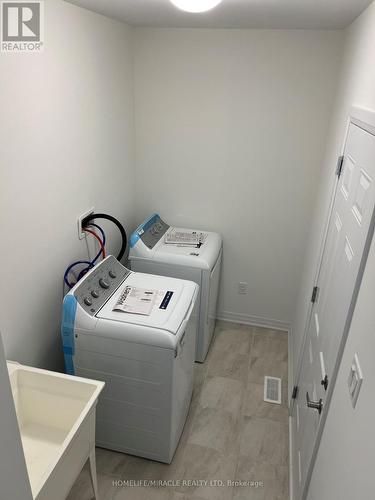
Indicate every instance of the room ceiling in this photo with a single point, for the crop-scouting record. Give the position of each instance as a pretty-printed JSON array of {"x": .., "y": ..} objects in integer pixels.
[{"x": 279, "y": 14}]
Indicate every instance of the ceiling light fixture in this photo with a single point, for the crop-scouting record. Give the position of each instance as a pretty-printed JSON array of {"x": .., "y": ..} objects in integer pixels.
[{"x": 195, "y": 5}]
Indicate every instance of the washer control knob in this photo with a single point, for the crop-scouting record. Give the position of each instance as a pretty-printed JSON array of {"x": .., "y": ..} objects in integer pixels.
[
  {"x": 112, "y": 274},
  {"x": 95, "y": 294},
  {"x": 87, "y": 301},
  {"x": 103, "y": 283}
]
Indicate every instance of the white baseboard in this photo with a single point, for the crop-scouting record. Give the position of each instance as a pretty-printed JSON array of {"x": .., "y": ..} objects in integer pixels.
[{"x": 247, "y": 319}]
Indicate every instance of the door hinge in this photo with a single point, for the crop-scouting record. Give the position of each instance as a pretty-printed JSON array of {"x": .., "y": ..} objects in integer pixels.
[
  {"x": 314, "y": 295},
  {"x": 340, "y": 165},
  {"x": 295, "y": 392},
  {"x": 324, "y": 382}
]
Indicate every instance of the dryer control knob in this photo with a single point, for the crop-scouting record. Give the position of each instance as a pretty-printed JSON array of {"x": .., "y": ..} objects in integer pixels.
[
  {"x": 95, "y": 294},
  {"x": 112, "y": 274},
  {"x": 103, "y": 283}
]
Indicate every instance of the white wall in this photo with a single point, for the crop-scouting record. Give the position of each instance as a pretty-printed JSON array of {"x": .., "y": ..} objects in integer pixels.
[
  {"x": 230, "y": 129},
  {"x": 357, "y": 87},
  {"x": 345, "y": 463},
  {"x": 66, "y": 128}
]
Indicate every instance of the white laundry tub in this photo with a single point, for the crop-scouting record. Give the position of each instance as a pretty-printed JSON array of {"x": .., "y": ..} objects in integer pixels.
[{"x": 56, "y": 417}]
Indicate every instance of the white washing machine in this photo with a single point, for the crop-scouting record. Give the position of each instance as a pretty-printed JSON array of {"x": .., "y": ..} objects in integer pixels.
[
  {"x": 150, "y": 253},
  {"x": 146, "y": 361}
]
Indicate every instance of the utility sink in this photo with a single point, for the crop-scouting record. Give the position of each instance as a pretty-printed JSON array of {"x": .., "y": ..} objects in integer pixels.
[{"x": 56, "y": 418}]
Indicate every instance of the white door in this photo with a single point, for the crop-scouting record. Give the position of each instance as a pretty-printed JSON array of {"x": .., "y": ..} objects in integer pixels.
[{"x": 349, "y": 235}]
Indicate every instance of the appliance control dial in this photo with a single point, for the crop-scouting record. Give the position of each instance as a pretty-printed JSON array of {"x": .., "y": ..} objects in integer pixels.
[
  {"x": 95, "y": 294},
  {"x": 112, "y": 274},
  {"x": 87, "y": 301},
  {"x": 103, "y": 283}
]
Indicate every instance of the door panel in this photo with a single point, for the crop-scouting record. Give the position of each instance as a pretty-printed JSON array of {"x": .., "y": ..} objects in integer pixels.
[{"x": 349, "y": 234}]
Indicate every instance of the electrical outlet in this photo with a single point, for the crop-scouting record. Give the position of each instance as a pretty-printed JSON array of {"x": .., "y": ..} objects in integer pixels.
[
  {"x": 243, "y": 288},
  {"x": 82, "y": 234}
]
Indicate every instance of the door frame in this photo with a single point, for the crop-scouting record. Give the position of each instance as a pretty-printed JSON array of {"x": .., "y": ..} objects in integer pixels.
[{"x": 365, "y": 119}]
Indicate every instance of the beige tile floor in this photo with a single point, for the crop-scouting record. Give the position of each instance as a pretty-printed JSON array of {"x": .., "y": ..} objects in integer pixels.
[{"x": 231, "y": 434}]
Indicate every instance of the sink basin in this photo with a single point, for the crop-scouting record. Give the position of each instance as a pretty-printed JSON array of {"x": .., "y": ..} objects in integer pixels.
[{"x": 56, "y": 418}]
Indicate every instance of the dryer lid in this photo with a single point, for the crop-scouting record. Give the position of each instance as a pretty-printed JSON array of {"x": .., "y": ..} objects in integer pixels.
[{"x": 171, "y": 307}]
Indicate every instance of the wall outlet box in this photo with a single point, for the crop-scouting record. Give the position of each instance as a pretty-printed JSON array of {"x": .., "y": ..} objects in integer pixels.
[
  {"x": 243, "y": 288},
  {"x": 82, "y": 234}
]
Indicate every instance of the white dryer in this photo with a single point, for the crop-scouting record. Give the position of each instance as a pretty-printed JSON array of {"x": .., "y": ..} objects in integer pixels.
[
  {"x": 146, "y": 361},
  {"x": 150, "y": 253}
]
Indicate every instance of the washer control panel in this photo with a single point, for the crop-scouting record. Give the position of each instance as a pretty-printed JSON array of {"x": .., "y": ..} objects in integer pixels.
[{"x": 95, "y": 289}]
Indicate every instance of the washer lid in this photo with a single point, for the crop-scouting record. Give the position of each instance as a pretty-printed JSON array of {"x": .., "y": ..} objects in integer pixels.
[
  {"x": 204, "y": 257},
  {"x": 170, "y": 309}
]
